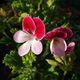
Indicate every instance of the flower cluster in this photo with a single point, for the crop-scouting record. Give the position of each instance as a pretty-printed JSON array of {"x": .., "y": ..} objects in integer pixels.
[
  {"x": 58, "y": 45},
  {"x": 33, "y": 30}
]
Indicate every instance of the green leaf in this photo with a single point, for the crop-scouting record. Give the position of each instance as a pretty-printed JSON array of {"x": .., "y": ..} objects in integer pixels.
[
  {"x": 13, "y": 61},
  {"x": 2, "y": 12},
  {"x": 22, "y": 66},
  {"x": 50, "y": 2},
  {"x": 29, "y": 59},
  {"x": 13, "y": 30},
  {"x": 13, "y": 20},
  {"x": 52, "y": 62},
  {"x": 2, "y": 25},
  {"x": 24, "y": 14},
  {"x": 5, "y": 40}
]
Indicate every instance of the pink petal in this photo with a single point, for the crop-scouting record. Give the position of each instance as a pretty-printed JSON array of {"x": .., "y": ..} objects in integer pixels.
[
  {"x": 28, "y": 24},
  {"x": 58, "y": 46},
  {"x": 40, "y": 28},
  {"x": 20, "y": 37},
  {"x": 70, "y": 47},
  {"x": 36, "y": 47},
  {"x": 24, "y": 49}
]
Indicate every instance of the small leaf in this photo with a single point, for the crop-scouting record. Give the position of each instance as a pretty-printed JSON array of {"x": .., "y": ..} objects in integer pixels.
[
  {"x": 50, "y": 2},
  {"x": 58, "y": 59},
  {"x": 52, "y": 62},
  {"x": 13, "y": 30},
  {"x": 24, "y": 14}
]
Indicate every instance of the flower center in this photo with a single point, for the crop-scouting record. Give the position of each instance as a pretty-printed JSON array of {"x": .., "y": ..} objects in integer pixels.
[{"x": 30, "y": 36}]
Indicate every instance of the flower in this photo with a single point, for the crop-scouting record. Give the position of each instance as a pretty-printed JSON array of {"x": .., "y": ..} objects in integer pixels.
[
  {"x": 58, "y": 45},
  {"x": 33, "y": 30}
]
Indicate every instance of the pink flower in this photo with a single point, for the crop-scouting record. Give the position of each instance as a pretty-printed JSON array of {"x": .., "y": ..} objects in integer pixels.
[
  {"x": 33, "y": 30},
  {"x": 58, "y": 45}
]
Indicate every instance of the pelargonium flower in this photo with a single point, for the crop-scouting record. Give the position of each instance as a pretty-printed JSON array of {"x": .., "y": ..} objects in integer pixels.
[
  {"x": 58, "y": 45},
  {"x": 33, "y": 30}
]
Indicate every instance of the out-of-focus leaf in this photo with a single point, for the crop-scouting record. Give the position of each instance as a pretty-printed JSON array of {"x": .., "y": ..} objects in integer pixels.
[
  {"x": 2, "y": 12},
  {"x": 16, "y": 4},
  {"x": 73, "y": 57},
  {"x": 5, "y": 40},
  {"x": 13, "y": 20},
  {"x": 58, "y": 59},
  {"x": 13, "y": 30},
  {"x": 24, "y": 14},
  {"x": 50, "y": 2},
  {"x": 52, "y": 62},
  {"x": 2, "y": 26}
]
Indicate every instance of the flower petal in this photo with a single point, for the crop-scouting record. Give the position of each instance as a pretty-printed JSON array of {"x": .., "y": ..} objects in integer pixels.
[
  {"x": 40, "y": 28},
  {"x": 63, "y": 32},
  {"x": 28, "y": 24},
  {"x": 36, "y": 47},
  {"x": 70, "y": 47},
  {"x": 58, "y": 46},
  {"x": 21, "y": 36},
  {"x": 55, "y": 33},
  {"x": 68, "y": 31},
  {"x": 49, "y": 35},
  {"x": 24, "y": 49}
]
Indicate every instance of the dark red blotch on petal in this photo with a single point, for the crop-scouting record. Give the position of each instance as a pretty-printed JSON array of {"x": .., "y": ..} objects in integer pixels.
[
  {"x": 68, "y": 31},
  {"x": 49, "y": 35},
  {"x": 28, "y": 24},
  {"x": 60, "y": 32},
  {"x": 40, "y": 28}
]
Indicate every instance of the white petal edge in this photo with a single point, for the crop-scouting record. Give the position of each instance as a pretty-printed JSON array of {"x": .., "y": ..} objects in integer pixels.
[
  {"x": 24, "y": 49},
  {"x": 36, "y": 47},
  {"x": 21, "y": 36}
]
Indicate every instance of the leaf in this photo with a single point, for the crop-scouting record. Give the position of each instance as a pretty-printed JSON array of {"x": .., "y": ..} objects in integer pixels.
[
  {"x": 21, "y": 16},
  {"x": 13, "y": 20},
  {"x": 50, "y": 2},
  {"x": 5, "y": 40},
  {"x": 27, "y": 74},
  {"x": 52, "y": 62},
  {"x": 73, "y": 56},
  {"x": 22, "y": 66},
  {"x": 24, "y": 14},
  {"x": 13, "y": 30},
  {"x": 60, "y": 60},
  {"x": 29, "y": 59},
  {"x": 13, "y": 61},
  {"x": 2, "y": 12},
  {"x": 2, "y": 25}
]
